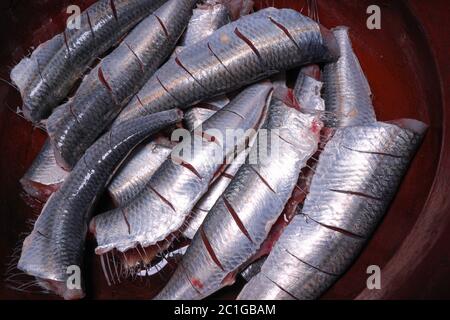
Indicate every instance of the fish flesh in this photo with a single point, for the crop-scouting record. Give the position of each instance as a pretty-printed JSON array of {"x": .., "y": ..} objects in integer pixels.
[
  {"x": 161, "y": 208},
  {"x": 46, "y": 77},
  {"x": 111, "y": 84},
  {"x": 57, "y": 240},
  {"x": 137, "y": 170},
  {"x": 44, "y": 176},
  {"x": 242, "y": 217},
  {"x": 346, "y": 91},
  {"x": 254, "y": 47},
  {"x": 356, "y": 178}
]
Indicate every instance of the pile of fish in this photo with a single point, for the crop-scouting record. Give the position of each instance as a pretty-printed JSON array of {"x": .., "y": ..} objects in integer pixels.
[{"x": 287, "y": 203}]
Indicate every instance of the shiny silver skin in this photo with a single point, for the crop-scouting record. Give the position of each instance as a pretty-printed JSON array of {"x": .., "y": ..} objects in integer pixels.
[
  {"x": 205, "y": 204},
  {"x": 346, "y": 91},
  {"x": 162, "y": 207},
  {"x": 247, "y": 50},
  {"x": 44, "y": 176},
  {"x": 57, "y": 239},
  {"x": 137, "y": 170},
  {"x": 356, "y": 178},
  {"x": 206, "y": 19},
  {"x": 112, "y": 83},
  {"x": 46, "y": 77},
  {"x": 241, "y": 219}
]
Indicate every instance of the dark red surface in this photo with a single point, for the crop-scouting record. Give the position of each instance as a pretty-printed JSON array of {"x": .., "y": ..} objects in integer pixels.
[{"x": 406, "y": 63}]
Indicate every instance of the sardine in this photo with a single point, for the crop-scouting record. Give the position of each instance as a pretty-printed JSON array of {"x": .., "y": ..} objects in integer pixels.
[
  {"x": 162, "y": 207},
  {"x": 241, "y": 219},
  {"x": 54, "y": 249},
  {"x": 346, "y": 91},
  {"x": 356, "y": 178},
  {"x": 44, "y": 176},
  {"x": 137, "y": 170},
  {"x": 46, "y": 77},
  {"x": 251, "y": 48},
  {"x": 111, "y": 84}
]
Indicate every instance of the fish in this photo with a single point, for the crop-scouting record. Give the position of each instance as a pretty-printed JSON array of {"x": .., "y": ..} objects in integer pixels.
[
  {"x": 239, "y": 222},
  {"x": 137, "y": 170},
  {"x": 53, "y": 251},
  {"x": 242, "y": 52},
  {"x": 112, "y": 83},
  {"x": 45, "y": 78},
  {"x": 160, "y": 210},
  {"x": 44, "y": 176},
  {"x": 356, "y": 178},
  {"x": 347, "y": 92}
]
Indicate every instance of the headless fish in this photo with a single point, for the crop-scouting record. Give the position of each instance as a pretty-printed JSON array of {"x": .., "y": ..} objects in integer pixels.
[
  {"x": 346, "y": 91},
  {"x": 241, "y": 219},
  {"x": 162, "y": 207},
  {"x": 356, "y": 178},
  {"x": 46, "y": 77},
  {"x": 254, "y": 47},
  {"x": 57, "y": 240},
  {"x": 111, "y": 84},
  {"x": 44, "y": 176}
]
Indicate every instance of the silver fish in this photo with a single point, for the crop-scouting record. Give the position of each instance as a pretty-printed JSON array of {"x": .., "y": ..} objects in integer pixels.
[
  {"x": 134, "y": 174},
  {"x": 56, "y": 243},
  {"x": 111, "y": 84},
  {"x": 162, "y": 207},
  {"x": 46, "y": 77},
  {"x": 241, "y": 219},
  {"x": 356, "y": 178},
  {"x": 44, "y": 176},
  {"x": 346, "y": 91},
  {"x": 251, "y": 48}
]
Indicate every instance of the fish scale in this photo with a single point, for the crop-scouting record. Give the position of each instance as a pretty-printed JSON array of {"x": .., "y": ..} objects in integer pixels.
[
  {"x": 57, "y": 239},
  {"x": 346, "y": 92},
  {"x": 43, "y": 83},
  {"x": 340, "y": 211},
  {"x": 242, "y": 217},
  {"x": 112, "y": 83},
  {"x": 162, "y": 207},
  {"x": 232, "y": 61}
]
